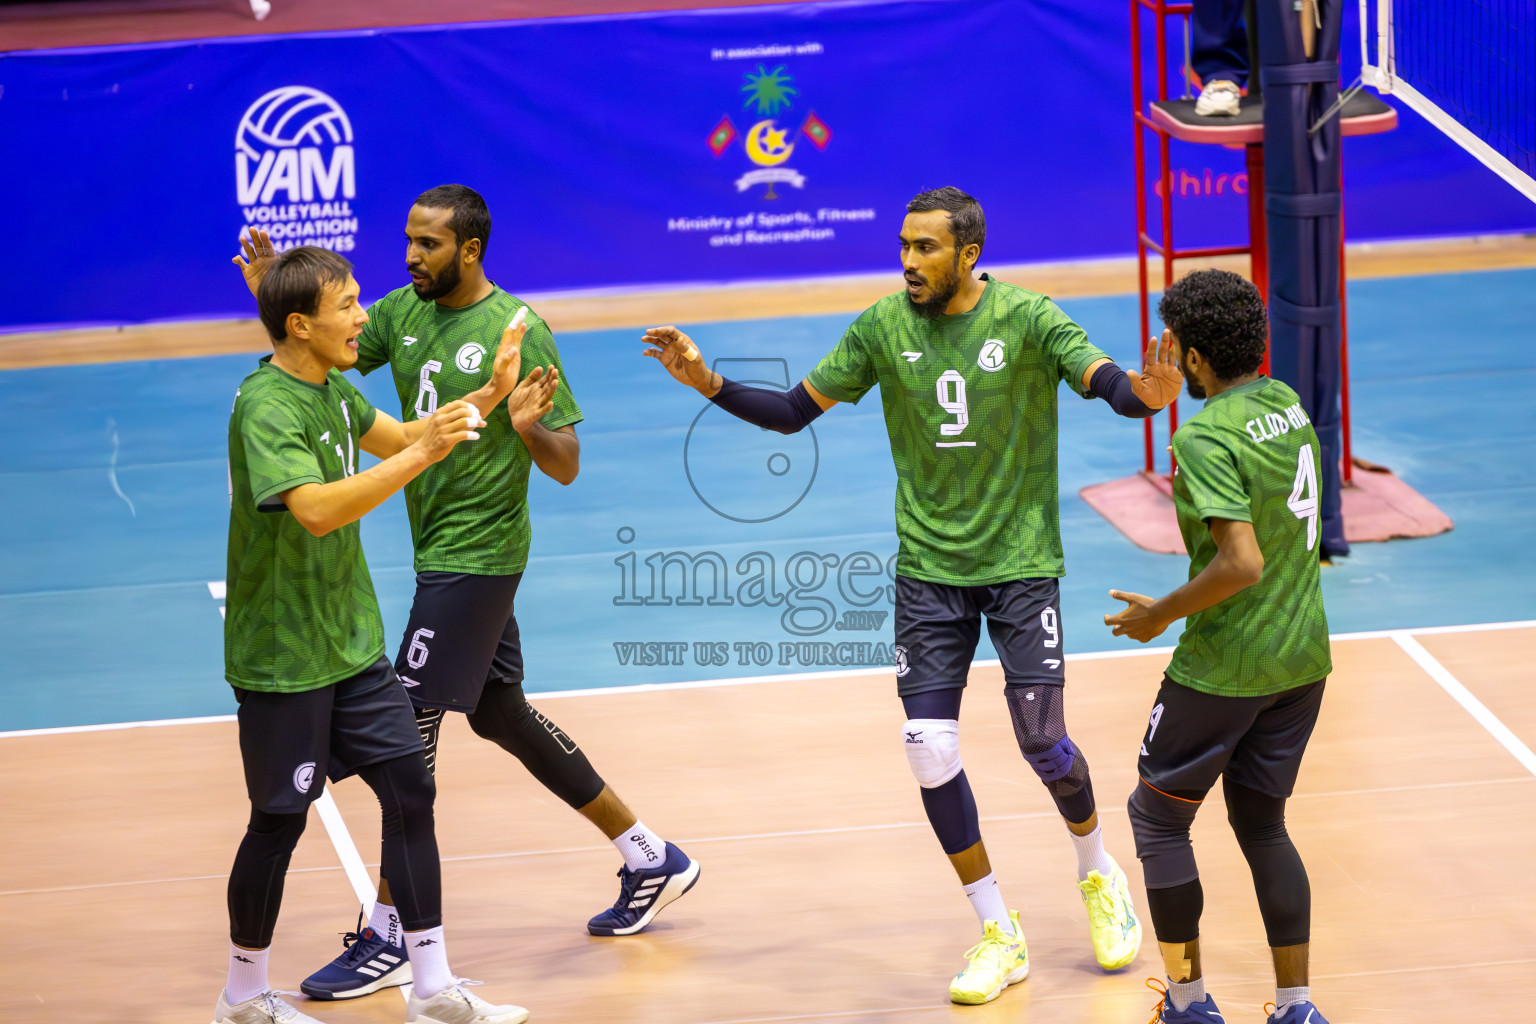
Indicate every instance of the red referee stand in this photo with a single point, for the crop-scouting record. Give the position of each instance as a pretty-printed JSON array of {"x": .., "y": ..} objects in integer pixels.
[{"x": 1377, "y": 505}]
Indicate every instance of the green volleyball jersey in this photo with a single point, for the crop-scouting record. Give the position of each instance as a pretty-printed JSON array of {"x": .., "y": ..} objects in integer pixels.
[
  {"x": 1251, "y": 456},
  {"x": 970, "y": 406},
  {"x": 469, "y": 512},
  {"x": 300, "y": 611}
]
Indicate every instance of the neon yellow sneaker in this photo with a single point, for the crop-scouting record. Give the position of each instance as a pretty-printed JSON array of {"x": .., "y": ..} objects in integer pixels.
[
  {"x": 997, "y": 961},
  {"x": 1111, "y": 919}
]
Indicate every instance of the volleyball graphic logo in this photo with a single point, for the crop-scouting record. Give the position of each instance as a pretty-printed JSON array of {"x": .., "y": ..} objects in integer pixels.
[
  {"x": 294, "y": 146},
  {"x": 742, "y": 472}
]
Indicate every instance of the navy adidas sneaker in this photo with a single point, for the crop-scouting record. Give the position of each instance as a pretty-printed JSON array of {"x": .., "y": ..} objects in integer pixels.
[
  {"x": 643, "y": 893},
  {"x": 368, "y": 963},
  {"x": 1297, "y": 1013},
  {"x": 1203, "y": 1012}
]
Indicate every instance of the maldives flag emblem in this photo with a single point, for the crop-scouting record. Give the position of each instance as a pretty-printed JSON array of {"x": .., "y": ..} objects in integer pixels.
[
  {"x": 816, "y": 130},
  {"x": 722, "y": 136}
]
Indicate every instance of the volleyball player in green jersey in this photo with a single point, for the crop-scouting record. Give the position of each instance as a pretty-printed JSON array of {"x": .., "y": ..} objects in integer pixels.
[
  {"x": 461, "y": 650},
  {"x": 968, "y": 370},
  {"x": 303, "y": 643},
  {"x": 1242, "y": 692}
]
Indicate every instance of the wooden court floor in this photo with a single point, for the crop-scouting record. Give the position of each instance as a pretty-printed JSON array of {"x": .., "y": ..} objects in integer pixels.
[{"x": 824, "y": 896}]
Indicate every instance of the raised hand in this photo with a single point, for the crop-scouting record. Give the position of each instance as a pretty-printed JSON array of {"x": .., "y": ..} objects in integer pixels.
[
  {"x": 677, "y": 352},
  {"x": 509, "y": 359},
  {"x": 1159, "y": 381},
  {"x": 257, "y": 256},
  {"x": 1137, "y": 621},
  {"x": 533, "y": 398},
  {"x": 454, "y": 422}
]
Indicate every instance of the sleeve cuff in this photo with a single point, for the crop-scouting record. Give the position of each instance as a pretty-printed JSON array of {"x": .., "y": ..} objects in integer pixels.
[{"x": 263, "y": 497}]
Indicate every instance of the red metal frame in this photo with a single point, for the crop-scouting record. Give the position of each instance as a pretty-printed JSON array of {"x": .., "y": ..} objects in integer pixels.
[{"x": 1256, "y": 249}]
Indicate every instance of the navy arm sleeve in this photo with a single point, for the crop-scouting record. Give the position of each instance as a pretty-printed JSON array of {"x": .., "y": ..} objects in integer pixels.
[
  {"x": 784, "y": 411},
  {"x": 1110, "y": 383}
]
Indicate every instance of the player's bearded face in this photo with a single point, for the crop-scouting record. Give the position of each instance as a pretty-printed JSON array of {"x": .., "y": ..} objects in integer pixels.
[
  {"x": 930, "y": 289},
  {"x": 432, "y": 283},
  {"x": 1191, "y": 382}
]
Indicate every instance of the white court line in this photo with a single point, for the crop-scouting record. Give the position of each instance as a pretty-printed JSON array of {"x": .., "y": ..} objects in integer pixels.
[
  {"x": 559, "y": 851},
  {"x": 346, "y": 849},
  {"x": 788, "y": 677},
  {"x": 1463, "y": 696}
]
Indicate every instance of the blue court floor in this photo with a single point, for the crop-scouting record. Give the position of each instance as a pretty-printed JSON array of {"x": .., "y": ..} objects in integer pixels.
[{"x": 115, "y": 510}]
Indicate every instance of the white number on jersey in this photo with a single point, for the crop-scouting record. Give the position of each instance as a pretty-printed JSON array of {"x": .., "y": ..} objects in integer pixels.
[
  {"x": 416, "y": 654},
  {"x": 426, "y": 398},
  {"x": 951, "y": 394},
  {"x": 1303, "y": 500}
]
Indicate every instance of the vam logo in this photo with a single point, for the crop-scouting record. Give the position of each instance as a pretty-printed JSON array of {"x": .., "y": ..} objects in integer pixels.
[
  {"x": 992, "y": 357},
  {"x": 293, "y": 147},
  {"x": 469, "y": 357}
]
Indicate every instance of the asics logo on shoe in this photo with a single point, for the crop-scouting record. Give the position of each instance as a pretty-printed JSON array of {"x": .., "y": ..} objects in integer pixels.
[
  {"x": 912, "y": 737},
  {"x": 244, "y": 959},
  {"x": 426, "y": 942},
  {"x": 1309, "y": 1015}
]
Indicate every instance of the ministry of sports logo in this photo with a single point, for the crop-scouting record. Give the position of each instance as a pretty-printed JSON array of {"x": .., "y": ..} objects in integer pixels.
[
  {"x": 296, "y": 170},
  {"x": 770, "y": 94}
]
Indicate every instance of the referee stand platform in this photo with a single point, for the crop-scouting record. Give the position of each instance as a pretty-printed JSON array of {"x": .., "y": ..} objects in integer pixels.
[{"x": 1376, "y": 504}]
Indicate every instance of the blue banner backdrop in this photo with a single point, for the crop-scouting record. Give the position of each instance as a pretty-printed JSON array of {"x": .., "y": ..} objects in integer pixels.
[{"x": 632, "y": 150}]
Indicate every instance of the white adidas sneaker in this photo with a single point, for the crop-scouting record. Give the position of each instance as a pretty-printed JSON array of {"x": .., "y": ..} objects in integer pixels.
[
  {"x": 457, "y": 1005},
  {"x": 267, "y": 1008}
]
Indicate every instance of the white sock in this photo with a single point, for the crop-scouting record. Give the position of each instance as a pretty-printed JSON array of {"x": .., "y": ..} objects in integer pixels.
[
  {"x": 1286, "y": 996},
  {"x": 987, "y": 900},
  {"x": 385, "y": 922},
  {"x": 640, "y": 847},
  {"x": 429, "y": 961},
  {"x": 247, "y": 974},
  {"x": 1091, "y": 855},
  {"x": 1182, "y": 993}
]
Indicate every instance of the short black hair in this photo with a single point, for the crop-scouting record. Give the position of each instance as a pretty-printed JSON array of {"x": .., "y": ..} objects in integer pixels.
[
  {"x": 1222, "y": 315},
  {"x": 471, "y": 217},
  {"x": 295, "y": 284},
  {"x": 966, "y": 221}
]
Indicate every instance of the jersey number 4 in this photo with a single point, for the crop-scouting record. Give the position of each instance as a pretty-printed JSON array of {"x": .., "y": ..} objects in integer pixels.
[{"x": 1303, "y": 500}]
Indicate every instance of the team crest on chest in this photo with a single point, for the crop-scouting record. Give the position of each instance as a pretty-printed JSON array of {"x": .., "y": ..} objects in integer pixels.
[
  {"x": 992, "y": 357},
  {"x": 469, "y": 357}
]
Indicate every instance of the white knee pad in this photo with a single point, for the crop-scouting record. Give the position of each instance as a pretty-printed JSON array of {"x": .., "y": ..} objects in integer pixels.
[{"x": 933, "y": 749}]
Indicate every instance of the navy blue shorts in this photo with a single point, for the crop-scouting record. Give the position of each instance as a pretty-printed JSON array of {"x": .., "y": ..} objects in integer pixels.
[
  {"x": 291, "y": 742},
  {"x": 938, "y": 626},
  {"x": 1193, "y": 738},
  {"x": 461, "y": 636}
]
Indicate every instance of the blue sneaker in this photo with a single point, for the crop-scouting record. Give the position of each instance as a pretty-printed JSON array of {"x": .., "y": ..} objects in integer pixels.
[
  {"x": 1203, "y": 1012},
  {"x": 369, "y": 962},
  {"x": 643, "y": 893},
  {"x": 1296, "y": 1013}
]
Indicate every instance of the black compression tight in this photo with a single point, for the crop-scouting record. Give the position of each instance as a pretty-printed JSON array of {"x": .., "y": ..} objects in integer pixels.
[
  {"x": 507, "y": 719},
  {"x": 410, "y": 861},
  {"x": 1279, "y": 877}
]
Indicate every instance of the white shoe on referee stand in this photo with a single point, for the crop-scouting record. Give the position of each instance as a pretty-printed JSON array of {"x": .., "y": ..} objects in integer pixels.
[
  {"x": 457, "y": 1005},
  {"x": 1218, "y": 99}
]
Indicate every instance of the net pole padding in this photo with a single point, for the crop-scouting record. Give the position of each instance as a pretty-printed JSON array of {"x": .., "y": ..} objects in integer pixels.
[
  {"x": 1348, "y": 445},
  {"x": 1258, "y": 240}
]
